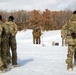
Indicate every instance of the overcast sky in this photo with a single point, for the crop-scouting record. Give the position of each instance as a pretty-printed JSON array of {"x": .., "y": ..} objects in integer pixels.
[{"x": 53, "y": 5}]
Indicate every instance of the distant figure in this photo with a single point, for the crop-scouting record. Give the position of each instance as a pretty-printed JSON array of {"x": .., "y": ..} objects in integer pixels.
[
  {"x": 71, "y": 41},
  {"x": 36, "y": 35},
  {"x": 53, "y": 43},
  {"x": 63, "y": 35}
]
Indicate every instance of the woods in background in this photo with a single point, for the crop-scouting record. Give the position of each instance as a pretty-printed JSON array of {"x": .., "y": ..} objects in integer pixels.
[{"x": 47, "y": 20}]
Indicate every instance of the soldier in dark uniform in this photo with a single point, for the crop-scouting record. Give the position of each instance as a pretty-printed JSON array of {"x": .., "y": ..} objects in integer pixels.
[{"x": 36, "y": 35}]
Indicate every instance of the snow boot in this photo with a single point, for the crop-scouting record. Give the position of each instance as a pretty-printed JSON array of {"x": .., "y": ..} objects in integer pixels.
[
  {"x": 16, "y": 65},
  {"x": 1, "y": 71},
  {"x": 69, "y": 68}
]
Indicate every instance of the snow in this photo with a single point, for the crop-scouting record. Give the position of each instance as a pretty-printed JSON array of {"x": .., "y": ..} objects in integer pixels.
[{"x": 43, "y": 59}]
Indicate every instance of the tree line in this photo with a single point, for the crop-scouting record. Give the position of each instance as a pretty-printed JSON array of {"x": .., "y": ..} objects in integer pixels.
[{"x": 47, "y": 20}]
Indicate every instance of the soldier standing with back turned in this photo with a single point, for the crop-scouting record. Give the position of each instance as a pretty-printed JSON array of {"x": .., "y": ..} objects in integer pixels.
[
  {"x": 71, "y": 41},
  {"x": 12, "y": 40},
  {"x": 36, "y": 35},
  {"x": 4, "y": 46}
]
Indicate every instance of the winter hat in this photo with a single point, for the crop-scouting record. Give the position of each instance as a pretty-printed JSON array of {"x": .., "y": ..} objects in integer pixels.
[
  {"x": 74, "y": 12},
  {"x": 0, "y": 17},
  {"x": 11, "y": 18}
]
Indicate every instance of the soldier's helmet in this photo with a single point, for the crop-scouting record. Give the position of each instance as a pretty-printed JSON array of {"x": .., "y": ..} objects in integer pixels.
[
  {"x": 11, "y": 18},
  {"x": 0, "y": 17}
]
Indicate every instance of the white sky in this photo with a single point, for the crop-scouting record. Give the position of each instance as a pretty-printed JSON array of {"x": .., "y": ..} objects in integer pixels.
[{"x": 37, "y": 4}]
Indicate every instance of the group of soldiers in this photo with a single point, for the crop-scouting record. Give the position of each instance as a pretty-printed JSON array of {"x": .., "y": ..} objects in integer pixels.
[
  {"x": 8, "y": 32},
  {"x": 68, "y": 33}
]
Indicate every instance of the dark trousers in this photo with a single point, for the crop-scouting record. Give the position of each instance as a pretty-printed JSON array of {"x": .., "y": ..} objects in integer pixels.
[{"x": 36, "y": 40}]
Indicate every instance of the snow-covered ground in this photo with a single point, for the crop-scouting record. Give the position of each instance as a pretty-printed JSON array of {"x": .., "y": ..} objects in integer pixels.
[{"x": 43, "y": 59}]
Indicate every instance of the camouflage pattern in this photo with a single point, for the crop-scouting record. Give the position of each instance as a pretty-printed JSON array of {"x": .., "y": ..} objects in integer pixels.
[
  {"x": 8, "y": 47},
  {"x": 75, "y": 57},
  {"x": 63, "y": 35},
  {"x": 69, "y": 59},
  {"x": 12, "y": 41},
  {"x": 36, "y": 35},
  {"x": 71, "y": 28},
  {"x": 0, "y": 37},
  {"x": 4, "y": 44},
  {"x": 12, "y": 28},
  {"x": 1, "y": 62}
]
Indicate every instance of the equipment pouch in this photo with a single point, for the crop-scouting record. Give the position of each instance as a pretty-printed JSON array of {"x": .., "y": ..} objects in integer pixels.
[
  {"x": 73, "y": 35},
  {"x": 70, "y": 41}
]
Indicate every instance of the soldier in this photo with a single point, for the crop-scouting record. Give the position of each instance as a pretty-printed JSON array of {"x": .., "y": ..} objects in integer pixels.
[
  {"x": 12, "y": 40},
  {"x": 71, "y": 41},
  {"x": 4, "y": 45},
  {"x": 63, "y": 35},
  {"x": 36, "y": 35},
  {"x": 1, "y": 62}
]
